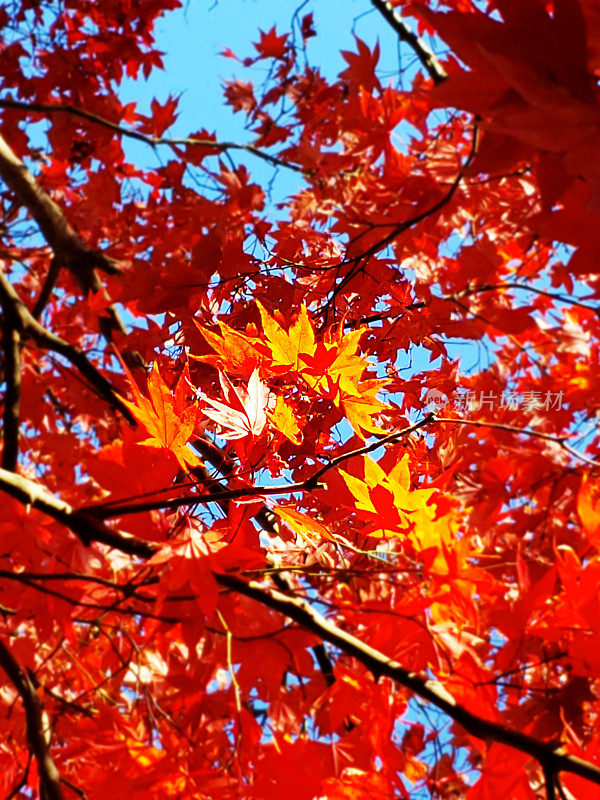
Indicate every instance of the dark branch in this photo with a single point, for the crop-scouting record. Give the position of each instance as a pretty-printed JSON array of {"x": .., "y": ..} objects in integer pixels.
[
  {"x": 29, "y": 327},
  {"x": 86, "y": 528},
  {"x": 423, "y": 53},
  {"x": 69, "y": 249},
  {"x": 11, "y": 345},
  {"x": 152, "y": 141},
  {"x": 549, "y": 782},
  {"x": 36, "y": 733},
  {"x": 106, "y": 511},
  {"x": 431, "y": 690}
]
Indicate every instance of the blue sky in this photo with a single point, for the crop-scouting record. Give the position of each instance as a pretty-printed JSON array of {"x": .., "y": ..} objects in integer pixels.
[{"x": 193, "y": 37}]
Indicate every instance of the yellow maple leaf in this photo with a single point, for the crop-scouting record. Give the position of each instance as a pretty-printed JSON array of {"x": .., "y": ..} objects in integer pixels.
[
  {"x": 302, "y": 524},
  {"x": 282, "y": 418},
  {"x": 391, "y": 508},
  {"x": 286, "y": 346}
]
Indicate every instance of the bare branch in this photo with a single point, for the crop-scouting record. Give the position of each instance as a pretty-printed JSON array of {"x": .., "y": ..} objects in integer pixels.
[
  {"x": 49, "y": 777},
  {"x": 11, "y": 345},
  {"x": 107, "y": 510},
  {"x": 548, "y": 437},
  {"x": 84, "y": 526},
  {"x": 151, "y": 141},
  {"x": 423, "y": 53}
]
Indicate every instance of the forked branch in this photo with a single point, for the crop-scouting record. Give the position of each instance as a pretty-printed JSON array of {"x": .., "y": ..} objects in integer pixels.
[
  {"x": 27, "y": 326},
  {"x": 69, "y": 249}
]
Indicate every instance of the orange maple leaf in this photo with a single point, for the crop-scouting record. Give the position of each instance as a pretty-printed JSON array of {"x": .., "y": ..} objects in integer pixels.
[
  {"x": 168, "y": 424},
  {"x": 588, "y": 508},
  {"x": 235, "y": 351}
]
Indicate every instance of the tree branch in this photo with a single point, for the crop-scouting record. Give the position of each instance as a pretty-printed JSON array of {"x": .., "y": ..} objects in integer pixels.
[
  {"x": 11, "y": 345},
  {"x": 423, "y": 53},
  {"x": 107, "y": 510},
  {"x": 551, "y": 757},
  {"x": 434, "y": 692},
  {"x": 28, "y": 326},
  {"x": 549, "y": 782},
  {"x": 499, "y": 426},
  {"x": 87, "y": 528},
  {"x": 151, "y": 141},
  {"x": 68, "y": 247},
  {"x": 48, "y": 773}
]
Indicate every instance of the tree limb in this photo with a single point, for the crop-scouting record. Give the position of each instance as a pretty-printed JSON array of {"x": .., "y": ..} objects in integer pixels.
[
  {"x": 68, "y": 247},
  {"x": 85, "y": 527},
  {"x": 152, "y": 141},
  {"x": 49, "y": 777},
  {"x": 550, "y": 756},
  {"x": 28, "y": 326},
  {"x": 11, "y": 345},
  {"x": 107, "y": 510},
  {"x": 423, "y": 53}
]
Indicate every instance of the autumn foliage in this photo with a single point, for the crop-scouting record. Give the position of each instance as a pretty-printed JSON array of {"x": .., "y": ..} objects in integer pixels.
[{"x": 301, "y": 499}]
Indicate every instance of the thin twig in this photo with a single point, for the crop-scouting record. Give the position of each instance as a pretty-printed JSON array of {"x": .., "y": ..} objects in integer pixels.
[
  {"x": 548, "y": 437},
  {"x": 231, "y": 670},
  {"x": 525, "y": 287},
  {"x": 151, "y": 141}
]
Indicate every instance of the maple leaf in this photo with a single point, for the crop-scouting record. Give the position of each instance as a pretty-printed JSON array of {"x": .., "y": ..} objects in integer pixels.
[
  {"x": 169, "y": 426},
  {"x": 240, "y": 96},
  {"x": 282, "y": 418},
  {"x": 161, "y": 116},
  {"x": 246, "y": 413},
  {"x": 235, "y": 351},
  {"x": 271, "y": 45},
  {"x": 286, "y": 347},
  {"x": 361, "y": 67},
  {"x": 391, "y": 508},
  {"x": 330, "y": 367},
  {"x": 361, "y": 405},
  {"x": 303, "y": 525}
]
